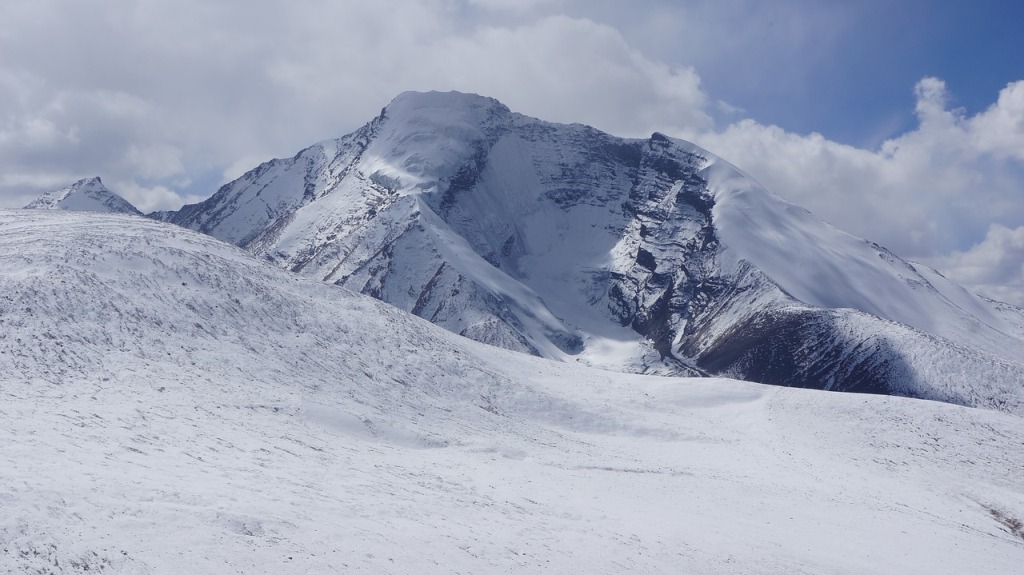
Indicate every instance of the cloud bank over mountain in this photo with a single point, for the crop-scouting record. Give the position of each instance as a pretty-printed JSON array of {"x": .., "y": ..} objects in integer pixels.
[{"x": 168, "y": 102}]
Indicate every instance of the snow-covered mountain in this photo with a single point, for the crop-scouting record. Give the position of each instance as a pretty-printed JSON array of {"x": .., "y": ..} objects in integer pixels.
[
  {"x": 171, "y": 404},
  {"x": 88, "y": 195},
  {"x": 648, "y": 256}
]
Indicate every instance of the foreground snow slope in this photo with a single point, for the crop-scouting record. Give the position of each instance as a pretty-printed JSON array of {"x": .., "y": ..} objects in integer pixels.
[
  {"x": 172, "y": 405},
  {"x": 645, "y": 256}
]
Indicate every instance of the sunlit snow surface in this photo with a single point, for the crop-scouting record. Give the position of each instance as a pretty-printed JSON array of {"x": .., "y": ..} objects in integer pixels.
[{"x": 169, "y": 404}]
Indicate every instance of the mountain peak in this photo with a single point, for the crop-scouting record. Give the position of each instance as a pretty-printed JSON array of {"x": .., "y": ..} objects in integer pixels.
[
  {"x": 429, "y": 117},
  {"x": 85, "y": 195},
  {"x": 652, "y": 255},
  {"x": 464, "y": 103}
]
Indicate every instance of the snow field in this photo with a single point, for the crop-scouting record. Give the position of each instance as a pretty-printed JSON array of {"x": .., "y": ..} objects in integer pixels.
[{"x": 170, "y": 404}]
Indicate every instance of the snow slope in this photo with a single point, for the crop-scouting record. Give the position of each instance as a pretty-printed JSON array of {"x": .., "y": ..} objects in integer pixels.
[
  {"x": 171, "y": 404},
  {"x": 89, "y": 195},
  {"x": 820, "y": 265},
  {"x": 647, "y": 256}
]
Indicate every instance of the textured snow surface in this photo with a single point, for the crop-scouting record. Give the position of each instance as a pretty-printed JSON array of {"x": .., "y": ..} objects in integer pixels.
[
  {"x": 88, "y": 195},
  {"x": 172, "y": 405}
]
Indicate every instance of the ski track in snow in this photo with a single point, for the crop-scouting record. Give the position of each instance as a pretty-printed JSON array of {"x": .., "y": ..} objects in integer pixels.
[{"x": 169, "y": 404}]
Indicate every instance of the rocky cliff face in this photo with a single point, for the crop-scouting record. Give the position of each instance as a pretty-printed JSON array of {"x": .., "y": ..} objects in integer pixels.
[{"x": 636, "y": 255}]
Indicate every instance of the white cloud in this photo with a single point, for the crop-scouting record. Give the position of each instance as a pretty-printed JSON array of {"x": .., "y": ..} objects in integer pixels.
[
  {"x": 148, "y": 198},
  {"x": 1000, "y": 129},
  {"x": 927, "y": 192},
  {"x": 555, "y": 67},
  {"x": 513, "y": 5},
  {"x": 157, "y": 161},
  {"x": 994, "y": 267},
  {"x": 37, "y": 133},
  {"x": 548, "y": 69},
  {"x": 162, "y": 99},
  {"x": 148, "y": 91}
]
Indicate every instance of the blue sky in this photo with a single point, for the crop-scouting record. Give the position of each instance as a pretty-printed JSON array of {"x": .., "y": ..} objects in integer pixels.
[
  {"x": 859, "y": 91},
  {"x": 845, "y": 69},
  {"x": 901, "y": 122}
]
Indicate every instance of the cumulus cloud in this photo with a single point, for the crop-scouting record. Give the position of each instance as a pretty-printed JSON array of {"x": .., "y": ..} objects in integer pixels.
[
  {"x": 555, "y": 67},
  {"x": 627, "y": 94},
  {"x": 149, "y": 198},
  {"x": 932, "y": 190},
  {"x": 166, "y": 101},
  {"x": 994, "y": 267},
  {"x": 155, "y": 93},
  {"x": 1000, "y": 129}
]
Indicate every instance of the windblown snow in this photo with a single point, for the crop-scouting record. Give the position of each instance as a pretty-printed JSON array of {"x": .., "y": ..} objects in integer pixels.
[{"x": 171, "y": 404}]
